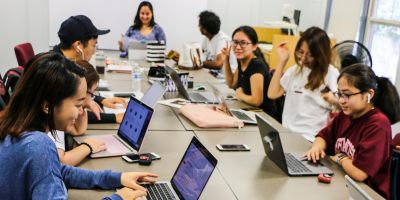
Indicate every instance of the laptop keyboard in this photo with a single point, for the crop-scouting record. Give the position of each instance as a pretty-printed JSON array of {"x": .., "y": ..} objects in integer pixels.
[
  {"x": 241, "y": 116},
  {"x": 113, "y": 144},
  {"x": 295, "y": 165},
  {"x": 158, "y": 191},
  {"x": 198, "y": 97}
]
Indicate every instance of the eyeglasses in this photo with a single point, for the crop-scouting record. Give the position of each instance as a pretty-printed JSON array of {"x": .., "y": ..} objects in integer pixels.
[
  {"x": 92, "y": 95},
  {"x": 242, "y": 44},
  {"x": 96, "y": 47},
  {"x": 307, "y": 56},
  {"x": 345, "y": 97}
]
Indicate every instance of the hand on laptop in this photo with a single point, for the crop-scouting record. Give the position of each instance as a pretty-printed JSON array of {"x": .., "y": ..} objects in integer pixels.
[
  {"x": 130, "y": 179},
  {"x": 119, "y": 117},
  {"x": 95, "y": 108},
  {"x": 314, "y": 153},
  {"x": 128, "y": 193},
  {"x": 110, "y": 102},
  {"x": 96, "y": 144}
]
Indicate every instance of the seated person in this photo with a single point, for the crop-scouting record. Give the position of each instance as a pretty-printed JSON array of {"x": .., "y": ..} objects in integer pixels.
[
  {"x": 144, "y": 27},
  {"x": 251, "y": 78},
  {"x": 50, "y": 97},
  {"x": 213, "y": 42},
  {"x": 76, "y": 155},
  {"x": 359, "y": 139},
  {"x": 78, "y": 38}
]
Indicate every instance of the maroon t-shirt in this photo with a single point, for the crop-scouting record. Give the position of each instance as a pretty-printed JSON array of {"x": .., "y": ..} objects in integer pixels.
[{"x": 368, "y": 141}]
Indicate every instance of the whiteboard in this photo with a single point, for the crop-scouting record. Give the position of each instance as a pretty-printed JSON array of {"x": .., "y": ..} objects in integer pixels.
[{"x": 178, "y": 18}]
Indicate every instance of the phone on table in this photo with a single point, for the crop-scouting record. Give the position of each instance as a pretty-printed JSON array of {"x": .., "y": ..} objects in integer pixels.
[
  {"x": 136, "y": 157},
  {"x": 233, "y": 147},
  {"x": 254, "y": 109},
  {"x": 124, "y": 95}
]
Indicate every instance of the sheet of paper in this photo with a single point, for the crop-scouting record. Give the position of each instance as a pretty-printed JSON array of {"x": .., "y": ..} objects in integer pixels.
[
  {"x": 176, "y": 103},
  {"x": 120, "y": 108}
]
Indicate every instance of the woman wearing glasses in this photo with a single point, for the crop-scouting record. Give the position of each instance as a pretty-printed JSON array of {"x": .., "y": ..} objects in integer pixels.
[
  {"x": 305, "y": 110},
  {"x": 359, "y": 139},
  {"x": 251, "y": 79}
]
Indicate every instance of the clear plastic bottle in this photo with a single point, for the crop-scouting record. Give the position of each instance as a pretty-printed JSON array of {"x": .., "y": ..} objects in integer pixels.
[{"x": 136, "y": 78}]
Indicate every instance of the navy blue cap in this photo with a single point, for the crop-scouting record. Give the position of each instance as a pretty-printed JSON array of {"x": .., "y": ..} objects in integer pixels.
[{"x": 79, "y": 27}]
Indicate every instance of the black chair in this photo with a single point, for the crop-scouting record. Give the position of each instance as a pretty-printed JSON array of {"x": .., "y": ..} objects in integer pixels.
[{"x": 395, "y": 175}]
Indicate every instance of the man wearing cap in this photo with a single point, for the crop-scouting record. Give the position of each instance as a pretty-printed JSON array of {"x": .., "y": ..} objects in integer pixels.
[{"x": 78, "y": 38}]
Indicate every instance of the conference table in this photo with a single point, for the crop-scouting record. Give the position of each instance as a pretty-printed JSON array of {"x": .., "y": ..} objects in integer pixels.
[{"x": 239, "y": 175}]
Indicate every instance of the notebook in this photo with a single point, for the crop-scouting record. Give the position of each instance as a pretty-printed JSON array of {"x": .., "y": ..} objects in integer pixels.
[
  {"x": 290, "y": 163},
  {"x": 131, "y": 133},
  {"x": 189, "y": 179}
]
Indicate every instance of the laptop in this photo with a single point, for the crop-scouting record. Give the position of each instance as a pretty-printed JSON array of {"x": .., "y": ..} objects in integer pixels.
[
  {"x": 131, "y": 132},
  {"x": 154, "y": 93},
  {"x": 356, "y": 192},
  {"x": 189, "y": 179},
  {"x": 246, "y": 117},
  {"x": 194, "y": 97},
  {"x": 290, "y": 163}
]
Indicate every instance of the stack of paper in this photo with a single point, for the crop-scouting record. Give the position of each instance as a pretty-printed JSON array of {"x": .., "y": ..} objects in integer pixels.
[{"x": 103, "y": 85}]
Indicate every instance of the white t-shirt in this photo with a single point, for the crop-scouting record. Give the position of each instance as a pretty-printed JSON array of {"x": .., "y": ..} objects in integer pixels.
[
  {"x": 60, "y": 144},
  {"x": 211, "y": 48},
  {"x": 305, "y": 111}
]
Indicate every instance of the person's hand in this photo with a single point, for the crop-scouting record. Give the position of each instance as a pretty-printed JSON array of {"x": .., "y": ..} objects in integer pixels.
[
  {"x": 176, "y": 57},
  {"x": 120, "y": 42},
  {"x": 329, "y": 97},
  {"x": 95, "y": 108},
  {"x": 96, "y": 144},
  {"x": 110, "y": 102},
  {"x": 129, "y": 194},
  {"x": 226, "y": 51},
  {"x": 119, "y": 117},
  {"x": 130, "y": 179},
  {"x": 239, "y": 92},
  {"x": 283, "y": 51},
  {"x": 315, "y": 153}
]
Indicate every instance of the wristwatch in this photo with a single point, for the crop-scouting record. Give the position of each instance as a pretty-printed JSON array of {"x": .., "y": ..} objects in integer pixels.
[{"x": 340, "y": 157}]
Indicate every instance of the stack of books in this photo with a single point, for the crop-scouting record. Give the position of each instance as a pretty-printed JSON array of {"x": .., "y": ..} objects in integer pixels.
[{"x": 155, "y": 52}]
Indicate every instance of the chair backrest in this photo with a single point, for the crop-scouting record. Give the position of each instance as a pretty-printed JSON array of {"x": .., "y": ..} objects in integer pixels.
[
  {"x": 396, "y": 140},
  {"x": 23, "y": 52},
  {"x": 395, "y": 175},
  {"x": 9, "y": 84}
]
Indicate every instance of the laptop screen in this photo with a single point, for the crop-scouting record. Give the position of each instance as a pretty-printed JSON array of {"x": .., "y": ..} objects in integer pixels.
[
  {"x": 194, "y": 171},
  {"x": 135, "y": 123},
  {"x": 153, "y": 94}
]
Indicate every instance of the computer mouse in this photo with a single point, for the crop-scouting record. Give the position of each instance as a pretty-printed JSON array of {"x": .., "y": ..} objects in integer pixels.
[
  {"x": 123, "y": 55},
  {"x": 200, "y": 87}
]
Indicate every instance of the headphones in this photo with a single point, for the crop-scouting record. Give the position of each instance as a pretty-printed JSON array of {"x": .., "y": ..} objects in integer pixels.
[
  {"x": 369, "y": 97},
  {"x": 83, "y": 55}
]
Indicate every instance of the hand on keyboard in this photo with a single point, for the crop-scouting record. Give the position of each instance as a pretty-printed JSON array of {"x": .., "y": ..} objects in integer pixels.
[
  {"x": 128, "y": 193},
  {"x": 130, "y": 179}
]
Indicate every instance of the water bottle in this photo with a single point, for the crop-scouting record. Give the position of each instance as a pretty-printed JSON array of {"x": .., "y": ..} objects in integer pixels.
[{"x": 136, "y": 78}]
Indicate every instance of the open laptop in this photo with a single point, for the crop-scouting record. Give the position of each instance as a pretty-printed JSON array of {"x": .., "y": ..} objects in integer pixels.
[
  {"x": 190, "y": 178},
  {"x": 356, "y": 192},
  {"x": 246, "y": 117},
  {"x": 131, "y": 132},
  {"x": 290, "y": 163},
  {"x": 194, "y": 97},
  {"x": 154, "y": 93}
]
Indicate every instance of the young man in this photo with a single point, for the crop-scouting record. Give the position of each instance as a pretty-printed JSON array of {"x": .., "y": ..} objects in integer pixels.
[
  {"x": 213, "y": 42},
  {"x": 78, "y": 38}
]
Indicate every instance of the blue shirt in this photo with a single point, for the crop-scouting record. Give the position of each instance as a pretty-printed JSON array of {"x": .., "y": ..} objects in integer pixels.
[
  {"x": 156, "y": 34},
  {"x": 30, "y": 169}
]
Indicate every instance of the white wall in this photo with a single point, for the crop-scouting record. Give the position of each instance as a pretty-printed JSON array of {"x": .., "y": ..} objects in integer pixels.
[{"x": 345, "y": 18}]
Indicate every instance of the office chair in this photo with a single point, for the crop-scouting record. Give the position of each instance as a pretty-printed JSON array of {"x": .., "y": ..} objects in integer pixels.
[
  {"x": 395, "y": 175},
  {"x": 23, "y": 52},
  {"x": 352, "y": 52}
]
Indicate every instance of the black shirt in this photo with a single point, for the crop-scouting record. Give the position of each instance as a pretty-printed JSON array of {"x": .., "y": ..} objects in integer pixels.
[
  {"x": 257, "y": 66},
  {"x": 105, "y": 117}
]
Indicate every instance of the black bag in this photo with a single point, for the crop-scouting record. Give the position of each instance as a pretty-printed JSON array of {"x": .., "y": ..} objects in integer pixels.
[{"x": 157, "y": 71}]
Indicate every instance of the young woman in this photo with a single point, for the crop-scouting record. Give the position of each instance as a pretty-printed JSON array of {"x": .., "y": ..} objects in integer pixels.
[
  {"x": 50, "y": 97},
  {"x": 360, "y": 137},
  {"x": 251, "y": 79},
  {"x": 144, "y": 27},
  {"x": 306, "y": 108},
  {"x": 76, "y": 155}
]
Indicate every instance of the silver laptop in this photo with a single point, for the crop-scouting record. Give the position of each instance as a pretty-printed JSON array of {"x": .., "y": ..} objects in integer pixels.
[
  {"x": 154, "y": 93},
  {"x": 190, "y": 178},
  {"x": 246, "y": 117},
  {"x": 356, "y": 193},
  {"x": 290, "y": 163},
  {"x": 131, "y": 132},
  {"x": 194, "y": 97}
]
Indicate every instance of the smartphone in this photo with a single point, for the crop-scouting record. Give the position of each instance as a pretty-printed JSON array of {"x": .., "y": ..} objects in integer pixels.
[
  {"x": 136, "y": 157},
  {"x": 254, "y": 109},
  {"x": 326, "y": 89},
  {"x": 233, "y": 147},
  {"x": 123, "y": 95}
]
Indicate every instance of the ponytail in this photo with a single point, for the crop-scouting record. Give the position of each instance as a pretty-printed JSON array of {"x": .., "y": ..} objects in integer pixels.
[
  {"x": 259, "y": 54},
  {"x": 386, "y": 98}
]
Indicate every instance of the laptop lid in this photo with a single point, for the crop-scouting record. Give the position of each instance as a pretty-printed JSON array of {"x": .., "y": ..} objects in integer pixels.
[
  {"x": 135, "y": 123},
  {"x": 193, "y": 171},
  {"x": 356, "y": 192},
  {"x": 220, "y": 98},
  {"x": 177, "y": 81},
  {"x": 154, "y": 93},
  {"x": 272, "y": 144}
]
